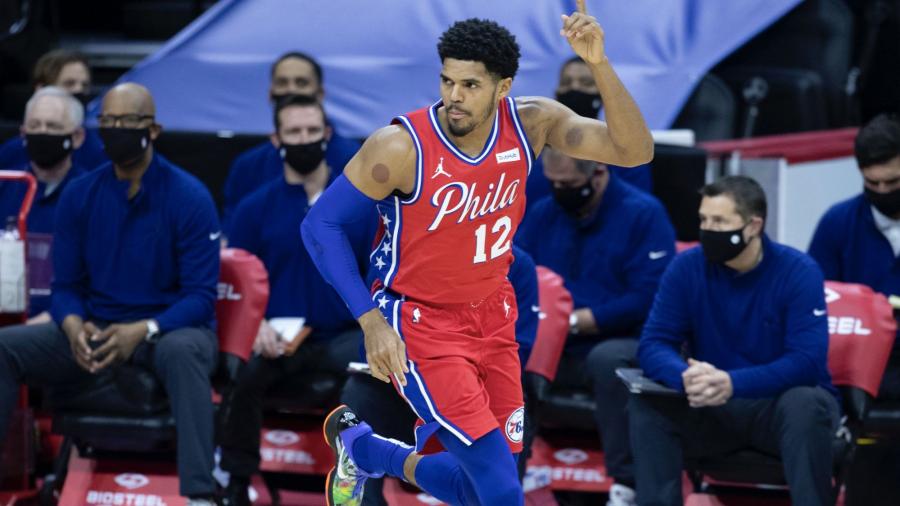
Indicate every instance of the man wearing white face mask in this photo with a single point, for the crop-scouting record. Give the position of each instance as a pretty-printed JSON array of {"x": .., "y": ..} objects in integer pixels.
[
  {"x": 51, "y": 132},
  {"x": 751, "y": 314}
]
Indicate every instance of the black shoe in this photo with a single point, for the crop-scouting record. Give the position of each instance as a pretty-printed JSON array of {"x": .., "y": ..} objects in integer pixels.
[{"x": 236, "y": 493}]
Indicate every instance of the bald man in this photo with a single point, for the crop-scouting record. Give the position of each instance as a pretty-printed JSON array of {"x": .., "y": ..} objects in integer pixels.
[
  {"x": 136, "y": 261},
  {"x": 51, "y": 132}
]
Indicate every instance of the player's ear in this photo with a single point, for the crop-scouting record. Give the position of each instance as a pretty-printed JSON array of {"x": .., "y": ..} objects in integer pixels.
[{"x": 503, "y": 87}]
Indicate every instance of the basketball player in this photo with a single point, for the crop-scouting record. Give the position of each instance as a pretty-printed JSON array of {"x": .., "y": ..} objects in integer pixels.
[{"x": 449, "y": 183}]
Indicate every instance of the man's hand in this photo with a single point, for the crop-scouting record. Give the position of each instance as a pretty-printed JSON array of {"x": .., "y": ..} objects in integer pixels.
[
  {"x": 119, "y": 341},
  {"x": 584, "y": 35},
  {"x": 385, "y": 351},
  {"x": 43, "y": 317},
  {"x": 268, "y": 343},
  {"x": 705, "y": 385},
  {"x": 584, "y": 322},
  {"x": 75, "y": 330}
]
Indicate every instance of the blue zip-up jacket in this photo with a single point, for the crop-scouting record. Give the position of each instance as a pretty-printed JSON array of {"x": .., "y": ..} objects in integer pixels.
[
  {"x": 767, "y": 327},
  {"x": 849, "y": 247},
  {"x": 153, "y": 256},
  {"x": 89, "y": 156},
  {"x": 611, "y": 262},
  {"x": 40, "y": 223},
  {"x": 266, "y": 223},
  {"x": 262, "y": 163}
]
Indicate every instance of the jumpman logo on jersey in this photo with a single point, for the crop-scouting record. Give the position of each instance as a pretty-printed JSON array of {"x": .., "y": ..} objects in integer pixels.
[
  {"x": 506, "y": 307},
  {"x": 440, "y": 170}
]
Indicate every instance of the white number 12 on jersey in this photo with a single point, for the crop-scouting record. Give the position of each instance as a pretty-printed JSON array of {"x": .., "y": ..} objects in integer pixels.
[{"x": 502, "y": 226}]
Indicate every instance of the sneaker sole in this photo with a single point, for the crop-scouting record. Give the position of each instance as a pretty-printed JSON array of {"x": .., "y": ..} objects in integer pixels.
[{"x": 331, "y": 424}]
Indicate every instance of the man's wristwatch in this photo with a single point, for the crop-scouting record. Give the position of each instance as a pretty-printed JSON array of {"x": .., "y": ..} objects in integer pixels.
[
  {"x": 152, "y": 331},
  {"x": 573, "y": 323}
]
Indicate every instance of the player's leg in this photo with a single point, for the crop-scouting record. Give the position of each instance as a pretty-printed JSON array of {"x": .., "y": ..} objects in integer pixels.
[
  {"x": 483, "y": 472},
  {"x": 362, "y": 454}
]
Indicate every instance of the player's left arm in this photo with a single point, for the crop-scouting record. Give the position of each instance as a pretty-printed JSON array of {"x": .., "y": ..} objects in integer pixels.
[{"x": 623, "y": 139}]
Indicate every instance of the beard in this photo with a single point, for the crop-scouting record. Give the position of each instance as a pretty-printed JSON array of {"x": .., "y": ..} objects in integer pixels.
[{"x": 463, "y": 128}]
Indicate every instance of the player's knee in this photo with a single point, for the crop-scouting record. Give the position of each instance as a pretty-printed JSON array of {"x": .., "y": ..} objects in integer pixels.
[{"x": 506, "y": 492}]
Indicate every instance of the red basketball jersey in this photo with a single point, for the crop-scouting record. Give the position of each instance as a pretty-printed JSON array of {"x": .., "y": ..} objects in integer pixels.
[{"x": 450, "y": 241}]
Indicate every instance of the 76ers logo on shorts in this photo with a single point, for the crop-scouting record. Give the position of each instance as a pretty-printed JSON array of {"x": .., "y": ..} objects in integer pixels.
[{"x": 515, "y": 425}]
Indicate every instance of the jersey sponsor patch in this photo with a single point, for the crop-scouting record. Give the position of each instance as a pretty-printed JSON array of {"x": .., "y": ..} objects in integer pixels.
[
  {"x": 509, "y": 156},
  {"x": 515, "y": 425}
]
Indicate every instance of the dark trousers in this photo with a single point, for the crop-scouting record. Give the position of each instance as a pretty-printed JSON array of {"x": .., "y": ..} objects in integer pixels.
[
  {"x": 242, "y": 416},
  {"x": 183, "y": 360},
  {"x": 890, "y": 382},
  {"x": 597, "y": 371},
  {"x": 798, "y": 426}
]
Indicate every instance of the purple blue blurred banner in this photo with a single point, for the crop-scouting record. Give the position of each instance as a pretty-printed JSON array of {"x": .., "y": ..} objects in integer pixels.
[{"x": 380, "y": 60}]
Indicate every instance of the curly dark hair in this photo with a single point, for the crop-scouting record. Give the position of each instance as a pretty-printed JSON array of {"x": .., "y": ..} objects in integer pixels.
[{"x": 481, "y": 40}]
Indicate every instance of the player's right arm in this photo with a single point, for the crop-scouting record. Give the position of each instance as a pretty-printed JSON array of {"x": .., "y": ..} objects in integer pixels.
[{"x": 383, "y": 165}]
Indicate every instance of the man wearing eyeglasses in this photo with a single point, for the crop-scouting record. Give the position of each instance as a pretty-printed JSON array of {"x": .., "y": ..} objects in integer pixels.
[{"x": 136, "y": 262}]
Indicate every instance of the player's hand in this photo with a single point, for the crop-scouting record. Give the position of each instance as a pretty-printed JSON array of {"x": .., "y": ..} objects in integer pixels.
[
  {"x": 268, "y": 343},
  {"x": 584, "y": 35},
  {"x": 385, "y": 351},
  {"x": 119, "y": 341}
]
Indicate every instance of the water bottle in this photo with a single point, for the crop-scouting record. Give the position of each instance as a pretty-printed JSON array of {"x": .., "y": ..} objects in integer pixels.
[{"x": 11, "y": 233}]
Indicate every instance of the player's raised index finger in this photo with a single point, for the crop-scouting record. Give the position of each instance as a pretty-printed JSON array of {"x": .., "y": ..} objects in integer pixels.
[{"x": 580, "y": 6}]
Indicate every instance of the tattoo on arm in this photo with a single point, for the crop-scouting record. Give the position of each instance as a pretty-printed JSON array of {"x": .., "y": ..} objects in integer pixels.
[
  {"x": 381, "y": 173},
  {"x": 574, "y": 137}
]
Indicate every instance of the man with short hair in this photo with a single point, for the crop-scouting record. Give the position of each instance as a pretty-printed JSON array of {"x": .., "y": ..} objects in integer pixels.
[
  {"x": 578, "y": 91},
  {"x": 52, "y": 131},
  {"x": 136, "y": 263},
  {"x": 265, "y": 224},
  {"x": 751, "y": 315},
  {"x": 67, "y": 70},
  {"x": 858, "y": 240},
  {"x": 293, "y": 73},
  {"x": 449, "y": 183},
  {"x": 610, "y": 242}
]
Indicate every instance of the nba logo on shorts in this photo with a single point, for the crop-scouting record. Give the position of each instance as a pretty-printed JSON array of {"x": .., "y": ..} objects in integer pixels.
[{"x": 515, "y": 425}]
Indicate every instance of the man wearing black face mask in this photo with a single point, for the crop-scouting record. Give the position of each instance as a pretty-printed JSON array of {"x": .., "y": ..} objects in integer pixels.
[
  {"x": 136, "y": 264},
  {"x": 265, "y": 224},
  {"x": 611, "y": 243},
  {"x": 751, "y": 314},
  {"x": 293, "y": 73},
  {"x": 67, "y": 70},
  {"x": 578, "y": 91},
  {"x": 858, "y": 240},
  {"x": 51, "y": 132}
]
